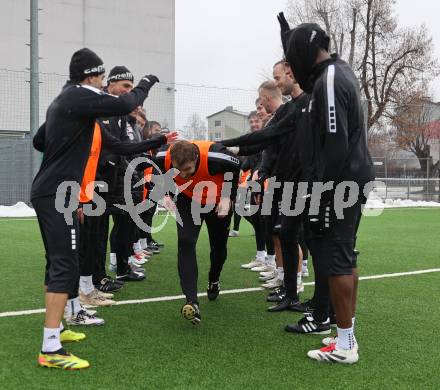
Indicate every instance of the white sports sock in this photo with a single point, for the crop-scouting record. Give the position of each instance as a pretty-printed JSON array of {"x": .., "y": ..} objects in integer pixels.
[
  {"x": 298, "y": 278},
  {"x": 86, "y": 284},
  {"x": 51, "y": 340},
  {"x": 270, "y": 259},
  {"x": 137, "y": 248},
  {"x": 61, "y": 326},
  {"x": 73, "y": 306},
  {"x": 261, "y": 255},
  {"x": 346, "y": 339},
  {"x": 143, "y": 243},
  {"x": 113, "y": 258},
  {"x": 280, "y": 273}
]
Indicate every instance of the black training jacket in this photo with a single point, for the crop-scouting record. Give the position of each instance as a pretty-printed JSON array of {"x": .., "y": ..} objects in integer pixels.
[
  {"x": 69, "y": 125},
  {"x": 337, "y": 119}
]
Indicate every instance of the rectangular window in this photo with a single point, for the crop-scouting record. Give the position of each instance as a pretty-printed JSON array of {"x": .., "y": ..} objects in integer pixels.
[
  {"x": 218, "y": 136},
  {"x": 218, "y": 123}
]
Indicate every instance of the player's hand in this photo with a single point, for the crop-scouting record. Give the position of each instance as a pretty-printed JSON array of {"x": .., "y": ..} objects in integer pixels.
[
  {"x": 80, "y": 213},
  {"x": 169, "y": 204},
  {"x": 223, "y": 207},
  {"x": 172, "y": 137},
  {"x": 284, "y": 24},
  {"x": 255, "y": 176},
  {"x": 147, "y": 82}
]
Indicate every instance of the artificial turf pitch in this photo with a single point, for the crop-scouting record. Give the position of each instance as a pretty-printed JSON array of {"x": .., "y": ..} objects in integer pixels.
[{"x": 238, "y": 345}]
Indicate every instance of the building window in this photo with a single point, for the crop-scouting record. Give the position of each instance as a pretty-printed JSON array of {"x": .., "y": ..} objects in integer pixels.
[
  {"x": 218, "y": 136},
  {"x": 217, "y": 123}
]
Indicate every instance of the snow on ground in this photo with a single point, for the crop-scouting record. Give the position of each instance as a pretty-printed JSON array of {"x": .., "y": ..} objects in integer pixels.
[
  {"x": 19, "y": 209},
  {"x": 375, "y": 202}
]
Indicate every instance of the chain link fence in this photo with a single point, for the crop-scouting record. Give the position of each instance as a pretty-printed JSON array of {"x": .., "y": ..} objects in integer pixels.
[{"x": 181, "y": 107}]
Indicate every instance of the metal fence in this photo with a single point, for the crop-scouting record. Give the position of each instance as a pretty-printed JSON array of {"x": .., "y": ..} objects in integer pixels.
[{"x": 407, "y": 178}]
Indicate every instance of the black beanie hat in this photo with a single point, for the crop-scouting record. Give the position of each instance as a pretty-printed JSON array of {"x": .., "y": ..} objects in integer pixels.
[
  {"x": 301, "y": 46},
  {"x": 85, "y": 63},
  {"x": 119, "y": 73}
]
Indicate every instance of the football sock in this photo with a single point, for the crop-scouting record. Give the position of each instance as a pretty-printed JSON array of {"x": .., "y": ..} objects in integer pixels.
[
  {"x": 270, "y": 259},
  {"x": 280, "y": 273},
  {"x": 137, "y": 248},
  {"x": 113, "y": 259},
  {"x": 261, "y": 255},
  {"x": 86, "y": 284},
  {"x": 143, "y": 243},
  {"x": 51, "y": 340},
  {"x": 73, "y": 306},
  {"x": 346, "y": 338}
]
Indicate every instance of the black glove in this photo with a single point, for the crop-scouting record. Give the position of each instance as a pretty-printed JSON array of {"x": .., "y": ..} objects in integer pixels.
[
  {"x": 147, "y": 82},
  {"x": 284, "y": 29}
]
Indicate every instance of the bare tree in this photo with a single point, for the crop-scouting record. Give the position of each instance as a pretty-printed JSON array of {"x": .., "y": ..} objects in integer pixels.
[
  {"x": 337, "y": 17},
  {"x": 195, "y": 127},
  {"x": 387, "y": 59},
  {"x": 415, "y": 123}
]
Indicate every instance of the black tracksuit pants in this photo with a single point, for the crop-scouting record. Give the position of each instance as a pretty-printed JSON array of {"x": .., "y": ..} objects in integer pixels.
[
  {"x": 290, "y": 227},
  {"x": 187, "y": 235},
  {"x": 121, "y": 242},
  {"x": 99, "y": 226},
  {"x": 93, "y": 246},
  {"x": 262, "y": 229},
  {"x": 147, "y": 218}
]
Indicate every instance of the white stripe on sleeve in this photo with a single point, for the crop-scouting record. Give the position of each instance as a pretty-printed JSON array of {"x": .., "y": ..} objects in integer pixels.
[{"x": 331, "y": 99}]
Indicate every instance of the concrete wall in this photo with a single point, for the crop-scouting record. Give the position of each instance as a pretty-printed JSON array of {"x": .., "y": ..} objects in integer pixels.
[{"x": 137, "y": 33}]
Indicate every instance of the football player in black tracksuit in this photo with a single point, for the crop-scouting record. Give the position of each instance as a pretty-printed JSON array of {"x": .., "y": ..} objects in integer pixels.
[
  {"x": 263, "y": 236},
  {"x": 341, "y": 155},
  {"x": 69, "y": 130}
]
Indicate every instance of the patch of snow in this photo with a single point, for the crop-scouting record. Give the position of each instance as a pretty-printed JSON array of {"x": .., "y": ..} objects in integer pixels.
[{"x": 18, "y": 210}]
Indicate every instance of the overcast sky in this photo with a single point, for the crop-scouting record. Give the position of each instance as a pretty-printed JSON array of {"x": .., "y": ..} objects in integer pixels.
[{"x": 233, "y": 43}]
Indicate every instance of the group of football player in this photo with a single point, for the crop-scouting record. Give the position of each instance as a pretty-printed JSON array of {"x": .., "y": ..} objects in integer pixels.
[{"x": 308, "y": 127}]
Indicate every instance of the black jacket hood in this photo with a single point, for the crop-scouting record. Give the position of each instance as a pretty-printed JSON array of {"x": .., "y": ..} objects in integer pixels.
[{"x": 301, "y": 46}]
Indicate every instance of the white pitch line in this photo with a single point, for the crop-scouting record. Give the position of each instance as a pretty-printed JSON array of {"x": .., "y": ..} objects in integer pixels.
[{"x": 234, "y": 291}]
